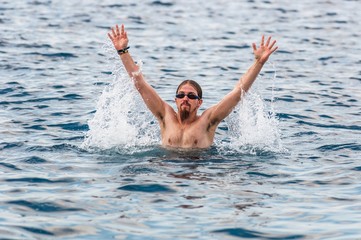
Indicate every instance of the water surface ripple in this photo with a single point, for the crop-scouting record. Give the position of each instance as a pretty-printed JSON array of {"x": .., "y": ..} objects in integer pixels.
[{"x": 56, "y": 63}]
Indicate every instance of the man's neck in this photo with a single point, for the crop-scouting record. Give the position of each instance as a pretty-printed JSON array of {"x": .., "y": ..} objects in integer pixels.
[{"x": 189, "y": 120}]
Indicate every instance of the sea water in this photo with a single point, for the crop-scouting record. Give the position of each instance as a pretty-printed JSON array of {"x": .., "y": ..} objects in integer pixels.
[{"x": 80, "y": 154}]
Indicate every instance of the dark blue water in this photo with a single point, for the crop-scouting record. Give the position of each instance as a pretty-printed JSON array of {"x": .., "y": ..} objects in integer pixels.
[{"x": 80, "y": 155}]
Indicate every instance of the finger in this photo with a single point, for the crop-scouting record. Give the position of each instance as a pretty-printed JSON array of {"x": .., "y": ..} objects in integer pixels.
[
  {"x": 254, "y": 47},
  {"x": 117, "y": 27},
  {"x": 110, "y": 36},
  {"x": 122, "y": 29},
  {"x": 274, "y": 49},
  {"x": 262, "y": 41},
  {"x": 273, "y": 43},
  {"x": 113, "y": 32},
  {"x": 268, "y": 40}
]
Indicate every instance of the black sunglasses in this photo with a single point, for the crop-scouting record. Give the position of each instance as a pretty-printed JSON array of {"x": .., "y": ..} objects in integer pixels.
[{"x": 189, "y": 95}]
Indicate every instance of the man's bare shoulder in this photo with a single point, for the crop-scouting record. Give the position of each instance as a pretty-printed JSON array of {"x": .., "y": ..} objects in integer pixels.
[
  {"x": 168, "y": 108},
  {"x": 207, "y": 114},
  {"x": 209, "y": 118},
  {"x": 169, "y": 113}
]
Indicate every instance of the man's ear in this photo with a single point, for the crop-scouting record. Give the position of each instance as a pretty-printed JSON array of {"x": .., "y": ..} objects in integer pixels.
[{"x": 200, "y": 101}]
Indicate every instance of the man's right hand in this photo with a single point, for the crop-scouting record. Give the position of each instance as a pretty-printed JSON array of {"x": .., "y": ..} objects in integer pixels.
[{"x": 118, "y": 37}]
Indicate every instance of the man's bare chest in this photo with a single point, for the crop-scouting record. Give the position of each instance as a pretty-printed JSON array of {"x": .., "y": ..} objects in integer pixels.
[{"x": 189, "y": 135}]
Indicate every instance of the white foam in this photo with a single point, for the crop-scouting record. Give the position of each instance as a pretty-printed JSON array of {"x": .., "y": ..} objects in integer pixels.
[
  {"x": 121, "y": 119},
  {"x": 253, "y": 128}
]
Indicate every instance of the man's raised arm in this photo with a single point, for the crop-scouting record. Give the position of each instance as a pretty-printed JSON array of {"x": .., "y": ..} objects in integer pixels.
[
  {"x": 221, "y": 110},
  {"x": 153, "y": 101}
]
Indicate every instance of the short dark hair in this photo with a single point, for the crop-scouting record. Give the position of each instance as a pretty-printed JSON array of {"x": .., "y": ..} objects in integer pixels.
[{"x": 193, "y": 84}]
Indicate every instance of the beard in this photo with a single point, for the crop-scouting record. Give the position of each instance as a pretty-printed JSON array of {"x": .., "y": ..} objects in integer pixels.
[{"x": 184, "y": 114}]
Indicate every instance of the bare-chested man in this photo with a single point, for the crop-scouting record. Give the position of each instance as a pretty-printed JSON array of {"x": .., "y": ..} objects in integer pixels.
[{"x": 184, "y": 128}]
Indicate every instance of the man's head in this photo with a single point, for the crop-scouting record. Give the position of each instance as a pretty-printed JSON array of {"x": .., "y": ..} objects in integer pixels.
[
  {"x": 194, "y": 84},
  {"x": 188, "y": 98}
]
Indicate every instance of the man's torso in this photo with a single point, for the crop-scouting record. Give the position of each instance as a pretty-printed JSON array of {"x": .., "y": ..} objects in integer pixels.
[{"x": 198, "y": 134}]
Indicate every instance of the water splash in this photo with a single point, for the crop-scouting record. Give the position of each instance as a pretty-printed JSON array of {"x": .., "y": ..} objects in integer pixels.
[
  {"x": 253, "y": 126},
  {"x": 121, "y": 121}
]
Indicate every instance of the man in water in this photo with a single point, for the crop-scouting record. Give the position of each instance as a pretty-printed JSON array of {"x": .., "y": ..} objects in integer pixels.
[{"x": 184, "y": 128}]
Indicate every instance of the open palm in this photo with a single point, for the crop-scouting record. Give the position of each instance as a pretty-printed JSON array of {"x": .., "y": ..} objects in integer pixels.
[
  {"x": 265, "y": 50},
  {"x": 118, "y": 37}
]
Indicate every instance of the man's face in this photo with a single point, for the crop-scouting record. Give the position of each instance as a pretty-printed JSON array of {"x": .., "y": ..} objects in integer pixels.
[{"x": 187, "y": 105}]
